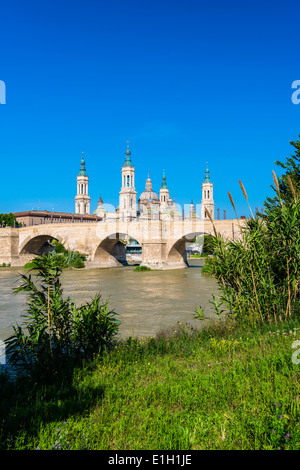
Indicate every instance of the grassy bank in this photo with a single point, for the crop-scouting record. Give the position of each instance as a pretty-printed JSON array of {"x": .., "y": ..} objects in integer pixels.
[{"x": 222, "y": 388}]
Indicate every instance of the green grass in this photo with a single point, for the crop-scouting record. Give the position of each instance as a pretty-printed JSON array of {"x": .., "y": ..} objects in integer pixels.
[{"x": 222, "y": 388}]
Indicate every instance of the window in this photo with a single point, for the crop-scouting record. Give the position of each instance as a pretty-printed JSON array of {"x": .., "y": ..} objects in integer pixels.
[
  {"x": 208, "y": 194},
  {"x": 127, "y": 181}
]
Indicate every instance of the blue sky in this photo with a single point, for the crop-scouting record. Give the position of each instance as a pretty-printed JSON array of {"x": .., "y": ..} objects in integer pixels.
[{"x": 185, "y": 82}]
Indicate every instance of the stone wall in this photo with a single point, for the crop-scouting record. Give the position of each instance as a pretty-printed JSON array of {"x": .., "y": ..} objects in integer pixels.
[{"x": 9, "y": 246}]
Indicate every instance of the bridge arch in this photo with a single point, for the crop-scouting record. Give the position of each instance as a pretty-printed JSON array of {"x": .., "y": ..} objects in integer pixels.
[
  {"x": 111, "y": 251},
  {"x": 176, "y": 250},
  {"x": 34, "y": 244}
]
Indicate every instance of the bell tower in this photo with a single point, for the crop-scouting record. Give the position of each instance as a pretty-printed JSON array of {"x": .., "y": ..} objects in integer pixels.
[
  {"x": 127, "y": 200},
  {"x": 207, "y": 197},
  {"x": 82, "y": 199},
  {"x": 164, "y": 194}
]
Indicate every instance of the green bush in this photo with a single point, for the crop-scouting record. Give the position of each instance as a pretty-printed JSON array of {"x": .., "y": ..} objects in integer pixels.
[
  {"x": 59, "y": 248},
  {"x": 30, "y": 265},
  {"x": 63, "y": 258},
  {"x": 142, "y": 268},
  {"x": 208, "y": 245},
  {"x": 74, "y": 259},
  {"x": 56, "y": 333}
]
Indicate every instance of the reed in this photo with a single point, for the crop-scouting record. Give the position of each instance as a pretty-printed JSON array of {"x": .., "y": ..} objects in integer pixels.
[
  {"x": 291, "y": 187},
  {"x": 233, "y": 205},
  {"x": 259, "y": 273},
  {"x": 246, "y": 197},
  {"x": 277, "y": 186},
  {"x": 211, "y": 219},
  {"x": 231, "y": 200}
]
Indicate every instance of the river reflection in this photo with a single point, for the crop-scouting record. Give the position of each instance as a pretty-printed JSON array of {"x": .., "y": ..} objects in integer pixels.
[{"x": 146, "y": 301}]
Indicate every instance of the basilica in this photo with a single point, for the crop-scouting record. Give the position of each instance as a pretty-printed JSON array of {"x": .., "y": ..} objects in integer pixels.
[{"x": 149, "y": 204}]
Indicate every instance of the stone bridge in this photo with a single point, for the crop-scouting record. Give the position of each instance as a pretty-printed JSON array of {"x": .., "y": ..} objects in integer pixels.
[{"x": 163, "y": 241}]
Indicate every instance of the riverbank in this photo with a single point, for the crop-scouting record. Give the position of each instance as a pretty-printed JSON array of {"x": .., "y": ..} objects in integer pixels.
[{"x": 222, "y": 388}]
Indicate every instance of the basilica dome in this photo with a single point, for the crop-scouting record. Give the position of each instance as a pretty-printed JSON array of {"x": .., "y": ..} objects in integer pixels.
[{"x": 148, "y": 195}]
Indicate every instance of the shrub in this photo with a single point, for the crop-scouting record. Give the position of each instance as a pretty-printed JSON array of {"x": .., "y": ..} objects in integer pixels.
[
  {"x": 74, "y": 259},
  {"x": 30, "y": 265},
  {"x": 59, "y": 248},
  {"x": 208, "y": 245},
  {"x": 62, "y": 258},
  {"x": 142, "y": 268}
]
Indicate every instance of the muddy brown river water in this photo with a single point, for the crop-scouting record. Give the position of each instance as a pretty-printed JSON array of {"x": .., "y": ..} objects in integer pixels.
[{"x": 146, "y": 301}]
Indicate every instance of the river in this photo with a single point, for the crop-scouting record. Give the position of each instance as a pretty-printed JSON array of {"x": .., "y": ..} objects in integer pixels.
[{"x": 146, "y": 301}]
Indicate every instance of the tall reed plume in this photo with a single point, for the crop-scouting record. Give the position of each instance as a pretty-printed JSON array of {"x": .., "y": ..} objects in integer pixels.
[
  {"x": 233, "y": 205},
  {"x": 291, "y": 187},
  {"x": 210, "y": 218},
  {"x": 277, "y": 186},
  {"x": 246, "y": 197}
]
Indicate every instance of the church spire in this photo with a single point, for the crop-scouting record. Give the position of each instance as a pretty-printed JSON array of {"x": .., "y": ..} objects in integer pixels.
[
  {"x": 164, "y": 180},
  {"x": 127, "y": 200},
  {"x": 82, "y": 167},
  {"x": 148, "y": 183},
  {"x": 207, "y": 203},
  {"x": 82, "y": 198},
  {"x": 207, "y": 178},
  {"x": 128, "y": 156}
]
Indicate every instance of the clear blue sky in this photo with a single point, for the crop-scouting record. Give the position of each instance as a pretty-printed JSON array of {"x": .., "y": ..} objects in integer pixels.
[{"x": 185, "y": 82}]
